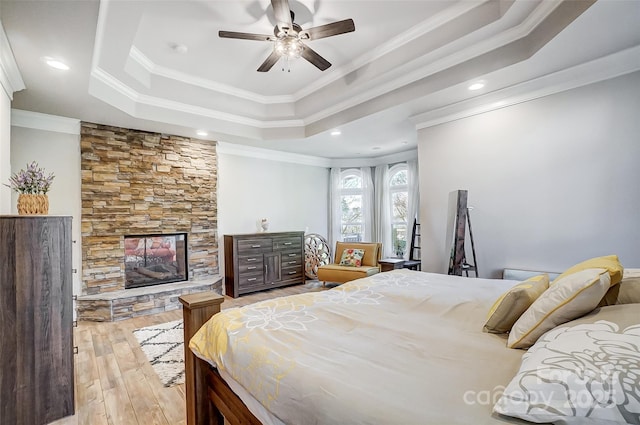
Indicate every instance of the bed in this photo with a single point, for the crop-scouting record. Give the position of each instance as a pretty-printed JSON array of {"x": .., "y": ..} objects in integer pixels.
[{"x": 401, "y": 347}]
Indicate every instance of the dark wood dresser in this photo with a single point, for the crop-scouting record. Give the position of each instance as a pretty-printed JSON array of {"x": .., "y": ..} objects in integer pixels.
[
  {"x": 258, "y": 261},
  {"x": 36, "y": 320}
]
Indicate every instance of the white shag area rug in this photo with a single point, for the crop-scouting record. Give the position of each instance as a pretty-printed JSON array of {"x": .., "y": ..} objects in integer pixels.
[{"x": 163, "y": 346}]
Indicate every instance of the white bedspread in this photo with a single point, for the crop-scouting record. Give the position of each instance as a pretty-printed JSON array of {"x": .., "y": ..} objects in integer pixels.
[{"x": 400, "y": 347}]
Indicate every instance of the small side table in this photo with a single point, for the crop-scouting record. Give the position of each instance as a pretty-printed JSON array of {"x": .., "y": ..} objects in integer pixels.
[{"x": 388, "y": 264}]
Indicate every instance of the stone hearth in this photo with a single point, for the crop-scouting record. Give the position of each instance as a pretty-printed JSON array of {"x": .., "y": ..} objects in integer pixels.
[
  {"x": 136, "y": 182},
  {"x": 125, "y": 304}
]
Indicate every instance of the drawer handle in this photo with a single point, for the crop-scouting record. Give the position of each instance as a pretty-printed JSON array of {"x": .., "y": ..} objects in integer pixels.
[
  {"x": 251, "y": 267},
  {"x": 251, "y": 279},
  {"x": 255, "y": 246},
  {"x": 287, "y": 243},
  {"x": 293, "y": 272},
  {"x": 292, "y": 262},
  {"x": 251, "y": 259},
  {"x": 292, "y": 255}
]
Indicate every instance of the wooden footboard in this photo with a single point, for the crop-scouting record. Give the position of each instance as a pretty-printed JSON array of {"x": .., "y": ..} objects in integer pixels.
[{"x": 209, "y": 398}]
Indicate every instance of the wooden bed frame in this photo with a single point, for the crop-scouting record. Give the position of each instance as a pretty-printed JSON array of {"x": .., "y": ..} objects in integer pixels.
[{"x": 210, "y": 401}]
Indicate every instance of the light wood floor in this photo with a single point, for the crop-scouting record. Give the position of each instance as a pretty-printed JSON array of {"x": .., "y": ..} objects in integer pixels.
[{"x": 116, "y": 385}]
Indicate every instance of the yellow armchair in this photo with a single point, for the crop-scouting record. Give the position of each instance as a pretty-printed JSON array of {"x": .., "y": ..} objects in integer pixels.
[{"x": 341, "y": 274}]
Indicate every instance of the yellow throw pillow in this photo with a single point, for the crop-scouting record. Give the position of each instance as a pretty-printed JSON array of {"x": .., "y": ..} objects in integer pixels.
[
  {"x": 626, "y": 292},
  {"x": 571, "y": 297},
  {"x": 510, "y": 306},
  {"x": 609, "y": 262}
]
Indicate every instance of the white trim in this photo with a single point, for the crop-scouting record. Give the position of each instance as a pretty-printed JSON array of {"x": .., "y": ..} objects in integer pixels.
[
  {"x": 172, "y": 105},
  {"x": 372, "y": 162},
  {"x": 271, "y": 155},
  {"x": 389, "y": 46},
  {"x": 163, "y": 71},
  {"x": 10, "y": 77},
  {"x": 460, "y": 56},
  {"x": 605, "y": 68},
  {"x": 38, "y": 121}
]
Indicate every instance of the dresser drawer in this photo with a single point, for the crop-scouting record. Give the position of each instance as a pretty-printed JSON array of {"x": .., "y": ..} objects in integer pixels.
[
  {"x": 250, "y": 268},
  {"x": 292, "y": 273},
  {"x": 248, "y": 246},
  {"x": 250, "y": 279},
  {"x": 291, "y": 259},
  {"x": 250, "y": 260},
  {"x": 291, "y": 242}
]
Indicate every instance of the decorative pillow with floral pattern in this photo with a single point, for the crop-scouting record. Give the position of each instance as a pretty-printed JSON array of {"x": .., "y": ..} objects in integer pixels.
[
  {"x": 352, "y": 257},
  {"x": 583, "y": 372}
]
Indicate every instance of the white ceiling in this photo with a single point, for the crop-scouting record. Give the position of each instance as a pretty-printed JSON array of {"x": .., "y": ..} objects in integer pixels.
[{"x": 407, "y": 64}]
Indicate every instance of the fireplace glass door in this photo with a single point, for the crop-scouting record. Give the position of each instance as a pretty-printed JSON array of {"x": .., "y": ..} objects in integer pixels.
[{"x": 155, "y": 259}]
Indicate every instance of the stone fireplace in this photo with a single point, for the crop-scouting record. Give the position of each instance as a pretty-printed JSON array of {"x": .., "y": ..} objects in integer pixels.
[{"x": 138, "y": 183}]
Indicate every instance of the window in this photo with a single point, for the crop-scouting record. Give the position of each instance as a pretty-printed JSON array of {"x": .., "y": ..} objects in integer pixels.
[
  {"x": 399, "y": 192},
  {"x": 352, "y": 222}
]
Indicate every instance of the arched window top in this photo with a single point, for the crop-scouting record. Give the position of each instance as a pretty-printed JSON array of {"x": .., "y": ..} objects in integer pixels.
[
  {"x": 351, "y": 179},
  {"x": 398, "y": 176}
]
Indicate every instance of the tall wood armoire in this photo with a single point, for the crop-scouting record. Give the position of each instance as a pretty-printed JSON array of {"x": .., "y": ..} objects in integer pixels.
[{"x": 36, "y": 320}]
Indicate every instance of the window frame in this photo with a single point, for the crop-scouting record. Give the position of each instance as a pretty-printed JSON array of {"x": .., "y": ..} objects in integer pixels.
[
  {"x": 392, "y": 190},
  {"x": 352, "y": 191}
]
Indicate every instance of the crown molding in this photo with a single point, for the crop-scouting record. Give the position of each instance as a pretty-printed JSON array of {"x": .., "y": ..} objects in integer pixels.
[
  {"x": 389, "y": 46},
  {"x": 271, "y": 155},
  {"x": 10, "y": 77},
  {"x": 162, "y": 71},
  {"x": 372, "y": 162},
  {"x": 46, "y": 122},
  {"x": 605, "y": 68},
  {"x": 459, "y": 56},
  {"x": 118, "y": 86}
]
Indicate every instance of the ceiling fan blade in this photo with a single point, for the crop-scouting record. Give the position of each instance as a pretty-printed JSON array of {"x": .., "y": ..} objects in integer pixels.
[
  {"x": 313, "y": 57},
  {"x": 282, "y": 12},
  {"x": 269, "y": 62},
  {"x": 333, "y": 28},
  {"x": 244, "y": 35}
]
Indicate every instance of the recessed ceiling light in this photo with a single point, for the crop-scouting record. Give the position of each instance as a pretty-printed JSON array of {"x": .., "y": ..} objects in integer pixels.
[
  {"x": 336, "y": 132},
  {"x": 476, "y": 86},
  {"x": 179, "y": 48},
  {"x": 404, "y": 142},
  {"x": 202, "y": 133},
  {"x": 53, "y": 63}
]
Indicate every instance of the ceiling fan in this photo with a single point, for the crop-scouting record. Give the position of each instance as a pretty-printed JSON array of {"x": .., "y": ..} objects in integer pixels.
[{"x": 288, "y": 37}]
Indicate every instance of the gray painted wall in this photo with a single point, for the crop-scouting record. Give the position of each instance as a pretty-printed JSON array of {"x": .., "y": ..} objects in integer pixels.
[{"x": 552, "y": 181}]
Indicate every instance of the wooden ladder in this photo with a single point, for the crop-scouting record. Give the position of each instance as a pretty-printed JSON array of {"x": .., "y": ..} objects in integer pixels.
[{"x": 414, "y": 262}]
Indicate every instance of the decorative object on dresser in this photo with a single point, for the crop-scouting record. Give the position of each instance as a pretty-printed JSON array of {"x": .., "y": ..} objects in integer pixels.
[
  {"x": 258, "y": 261},
  {"x": 36, "y": 320},
  {"x": 32, "y": 184}
]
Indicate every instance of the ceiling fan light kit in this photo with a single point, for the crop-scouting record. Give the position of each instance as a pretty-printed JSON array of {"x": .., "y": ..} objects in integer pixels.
[{"x": 288, "y": 37}]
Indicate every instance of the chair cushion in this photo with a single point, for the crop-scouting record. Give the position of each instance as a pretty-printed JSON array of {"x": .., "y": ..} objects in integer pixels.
[{"x": 342, "y": 274}]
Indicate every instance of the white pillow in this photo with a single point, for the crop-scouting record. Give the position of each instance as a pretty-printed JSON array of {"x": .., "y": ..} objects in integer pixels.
[
  {"x": 569, "y": 298},
  {"x": 580, "y": 373}
]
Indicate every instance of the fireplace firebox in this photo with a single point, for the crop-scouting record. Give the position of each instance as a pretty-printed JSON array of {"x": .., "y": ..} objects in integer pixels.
[{"x": 155, "y": 259}]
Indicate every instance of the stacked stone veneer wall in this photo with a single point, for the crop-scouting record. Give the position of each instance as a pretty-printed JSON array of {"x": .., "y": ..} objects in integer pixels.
[{"x": 136, "y": 182}]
